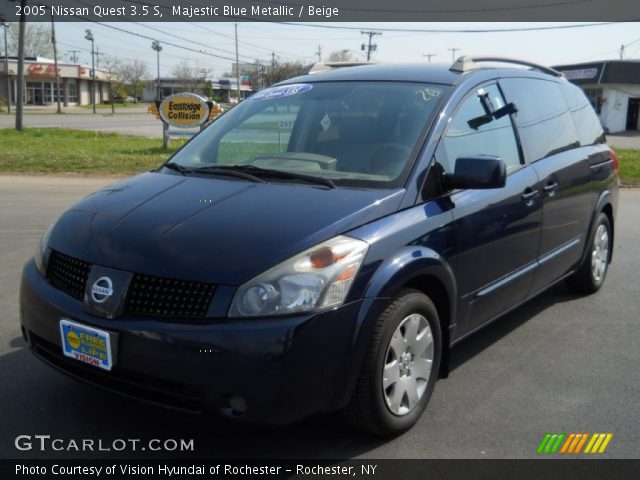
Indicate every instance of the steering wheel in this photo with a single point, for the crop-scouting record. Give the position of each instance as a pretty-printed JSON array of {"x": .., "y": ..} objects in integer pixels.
[{"x": 389, "y": 159}]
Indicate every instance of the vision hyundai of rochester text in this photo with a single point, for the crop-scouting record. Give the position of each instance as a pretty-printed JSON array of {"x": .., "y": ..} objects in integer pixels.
[{"x": 322, "y": 245}]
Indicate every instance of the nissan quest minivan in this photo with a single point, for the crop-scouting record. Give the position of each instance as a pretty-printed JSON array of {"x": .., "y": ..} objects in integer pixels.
[{"x": 321, "y": 246}]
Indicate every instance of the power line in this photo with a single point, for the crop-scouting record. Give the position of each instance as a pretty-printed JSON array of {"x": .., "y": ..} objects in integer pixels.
[{"x": 452, "y": 30}]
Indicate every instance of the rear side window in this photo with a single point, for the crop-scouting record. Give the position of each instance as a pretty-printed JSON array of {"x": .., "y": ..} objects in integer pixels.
[
  {"x": 585, "y": 119},
  {"x": 543, "y": 118}
]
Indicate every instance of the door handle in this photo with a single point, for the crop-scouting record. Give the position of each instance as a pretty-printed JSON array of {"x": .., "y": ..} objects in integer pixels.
[
  {"x": 528, "y": 196},
  {"x": 551, "y": 187}
]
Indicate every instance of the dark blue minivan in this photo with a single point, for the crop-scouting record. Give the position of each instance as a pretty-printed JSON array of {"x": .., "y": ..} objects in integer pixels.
[{"x": 322, "y": 245}]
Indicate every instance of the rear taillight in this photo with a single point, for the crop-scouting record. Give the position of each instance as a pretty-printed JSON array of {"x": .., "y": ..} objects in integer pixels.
[{"x": 614, "y": 159}]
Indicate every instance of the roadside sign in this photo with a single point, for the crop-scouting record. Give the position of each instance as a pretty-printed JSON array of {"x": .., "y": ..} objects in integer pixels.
[{"x": 184, "y": 110}]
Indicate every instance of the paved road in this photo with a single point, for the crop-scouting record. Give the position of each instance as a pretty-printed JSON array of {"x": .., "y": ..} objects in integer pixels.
[
  {"x": 140, "y": 123},
  {"x": 560, "y": 363},
  {"x": 135, "y": 121},
  {"x": 628, "y": 139}
]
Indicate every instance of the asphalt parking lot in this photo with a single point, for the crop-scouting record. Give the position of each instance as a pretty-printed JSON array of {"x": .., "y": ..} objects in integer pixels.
[{"x": 561, "y": 363}]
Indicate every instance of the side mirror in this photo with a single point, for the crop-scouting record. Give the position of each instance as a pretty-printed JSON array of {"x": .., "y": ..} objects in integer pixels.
[{"x": 478, "y": 172}]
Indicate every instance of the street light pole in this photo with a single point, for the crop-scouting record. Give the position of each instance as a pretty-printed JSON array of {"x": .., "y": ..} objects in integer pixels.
[
  {"x": 20, "y": 86},
  {"x": 55, "y": 61},
  {"x": 237, "y": 64},
  {"x": 89, "y": 36},
  {"x": 4, "y": 24},
  {"x": 158, "y": 48}
]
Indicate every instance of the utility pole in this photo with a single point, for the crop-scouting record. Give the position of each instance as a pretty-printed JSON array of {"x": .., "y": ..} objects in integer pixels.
[
  {"x": 429, "y": 55},
  {"x": 73, "y": 58},
  {"x": 89, "y": 36},
  {"x": 55, "y": 62},
  {"x": 98, "y": 53},
  {"x": 453, "y": 53},
  {"x": 621, "y": 51},
  {"x": 20, "y": 80},
  {"x": 158, "y": 48},
  {"x": 4, "y": 24},
  {"x": 319, "y": 53},
  {"x": 237, "y": 63},
  {"x": 370, "y": 47}
]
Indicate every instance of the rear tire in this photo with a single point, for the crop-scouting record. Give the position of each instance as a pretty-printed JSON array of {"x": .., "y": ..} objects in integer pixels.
[
  {"x": 593, "y": 271},
  {"x": 400, "y": 368}
]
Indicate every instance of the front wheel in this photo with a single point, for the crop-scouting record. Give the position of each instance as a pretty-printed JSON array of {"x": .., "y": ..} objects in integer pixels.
[
  {"x": 591, "y": 274},
  {"x": 400, "y": 368}
]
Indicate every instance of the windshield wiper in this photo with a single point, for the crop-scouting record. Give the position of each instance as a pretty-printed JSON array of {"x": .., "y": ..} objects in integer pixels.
[
  {"x": 272, "y": 173},
  {"x": 250, "y": 172},
  {"x": 213, "y": 170},
  {"x": 225, "y": 170},
  {"x": 177, "y": 167}
]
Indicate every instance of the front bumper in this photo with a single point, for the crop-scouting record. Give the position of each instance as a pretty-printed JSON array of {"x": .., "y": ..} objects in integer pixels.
[{"x": 284, "y": 368}]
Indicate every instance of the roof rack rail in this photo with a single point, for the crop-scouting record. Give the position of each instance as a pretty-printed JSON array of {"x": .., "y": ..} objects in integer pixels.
[
  {"x": 326, "y": 66},
  {"x": 467, "y": 63}
]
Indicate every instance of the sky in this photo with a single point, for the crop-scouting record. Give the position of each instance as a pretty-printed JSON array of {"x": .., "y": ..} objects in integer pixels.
[{"x": 300, "y": 42}]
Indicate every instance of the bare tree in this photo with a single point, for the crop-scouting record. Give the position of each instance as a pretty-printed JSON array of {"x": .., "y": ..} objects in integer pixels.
[
  {"x": 112, "y": 65},
  {"x": 134, "y": 74},
  {"x": 37, "y": 40},
  {"x": 275, "y": 71},
  {"x": 342, "y": 56},
  {"x": 193, "y": 77}
]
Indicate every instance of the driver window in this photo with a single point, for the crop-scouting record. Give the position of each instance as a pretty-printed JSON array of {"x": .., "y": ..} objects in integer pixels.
[{"x": 472, "y": 132}]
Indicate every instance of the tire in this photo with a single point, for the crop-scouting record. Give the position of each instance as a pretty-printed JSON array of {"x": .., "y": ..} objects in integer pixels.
[
  {"x": 385, "y": 402},
  {"x": 593, "y": 271}
]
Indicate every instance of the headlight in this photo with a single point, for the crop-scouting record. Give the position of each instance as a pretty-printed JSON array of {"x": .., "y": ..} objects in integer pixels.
[
  {"x": 40, "y": 257},
  {"x": 315, "y": 279}
]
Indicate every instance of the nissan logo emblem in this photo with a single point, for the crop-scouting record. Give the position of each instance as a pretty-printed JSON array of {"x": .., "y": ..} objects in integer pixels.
[{"x": 102, "y": 289}]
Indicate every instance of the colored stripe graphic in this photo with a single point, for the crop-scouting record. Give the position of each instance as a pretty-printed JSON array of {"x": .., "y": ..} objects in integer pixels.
[
  {"x": 598, "y": 443},
  {"x": 551, "y": 442},
  {"x": 572, "y": 443}
]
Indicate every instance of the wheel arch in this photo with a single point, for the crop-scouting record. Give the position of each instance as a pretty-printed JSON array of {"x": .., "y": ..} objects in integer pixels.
[{"x": 422, "y": 269}]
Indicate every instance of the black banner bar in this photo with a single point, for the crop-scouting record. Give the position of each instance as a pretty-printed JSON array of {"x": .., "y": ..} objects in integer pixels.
[
  {"x": 583, "y": 469},
  {"x": 320, "y": 10}
]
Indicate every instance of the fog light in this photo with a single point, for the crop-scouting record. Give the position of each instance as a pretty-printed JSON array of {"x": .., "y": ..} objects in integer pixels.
[{"x": 238, "y": 404}]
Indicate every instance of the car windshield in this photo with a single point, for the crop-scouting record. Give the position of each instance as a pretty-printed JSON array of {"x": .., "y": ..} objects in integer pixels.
[{"x": 361, "y": 134}]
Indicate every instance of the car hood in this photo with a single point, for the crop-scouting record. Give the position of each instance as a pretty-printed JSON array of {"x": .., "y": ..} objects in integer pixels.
[{"x": 223, "y": 231}]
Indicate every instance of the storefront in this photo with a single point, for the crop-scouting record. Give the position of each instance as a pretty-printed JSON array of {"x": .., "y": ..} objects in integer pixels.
[
  {"x": 613, "y": 87},
  {"x": 40, "y": 82},
  {"x": 224, "y": 90}
]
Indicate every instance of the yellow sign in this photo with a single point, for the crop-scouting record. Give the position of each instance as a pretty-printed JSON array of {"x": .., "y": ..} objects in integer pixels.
[
  {"x": 184, "y": 110},
  {"x": 73, "y": 339}
]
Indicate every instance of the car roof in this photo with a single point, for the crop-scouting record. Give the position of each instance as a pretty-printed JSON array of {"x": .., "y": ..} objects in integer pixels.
[
  {"x": 429, "y": 73},
  {"x": 438, "y": 73}
]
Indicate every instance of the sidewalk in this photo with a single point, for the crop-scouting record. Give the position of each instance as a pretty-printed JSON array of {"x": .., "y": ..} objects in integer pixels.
[{"x": 104, "y": 109}]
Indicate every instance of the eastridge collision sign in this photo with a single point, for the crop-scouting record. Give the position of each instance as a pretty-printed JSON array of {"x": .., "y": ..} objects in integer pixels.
[{"x": 184, "y": 110}]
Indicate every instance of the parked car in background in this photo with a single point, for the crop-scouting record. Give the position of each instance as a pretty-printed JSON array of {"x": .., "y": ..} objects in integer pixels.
[{"x": 322, "y": 245}]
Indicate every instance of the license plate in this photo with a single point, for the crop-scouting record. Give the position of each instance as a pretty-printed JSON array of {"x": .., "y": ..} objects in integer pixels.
[{"x": 86, "y": 344}]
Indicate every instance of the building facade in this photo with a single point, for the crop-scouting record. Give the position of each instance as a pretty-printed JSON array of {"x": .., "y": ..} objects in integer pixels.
[
  {"x": 613, "y": 87},
  {"x": 223, "y": 90},
  {"x": 40, "y": 82}
]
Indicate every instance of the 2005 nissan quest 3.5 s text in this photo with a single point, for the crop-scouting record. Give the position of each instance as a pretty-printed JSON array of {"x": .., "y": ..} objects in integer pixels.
[{"x": 322, "y": 245}]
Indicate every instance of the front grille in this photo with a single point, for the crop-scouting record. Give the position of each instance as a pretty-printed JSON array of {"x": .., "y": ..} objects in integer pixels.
[
  {"x": 68, "y": 274},
  {"x": 132, "y": 384},
  {"x": 147, "y": 294},
  {"x": 168, "y": 297}
]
